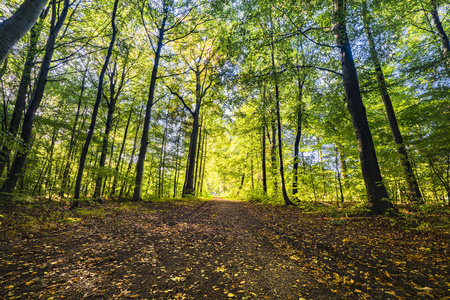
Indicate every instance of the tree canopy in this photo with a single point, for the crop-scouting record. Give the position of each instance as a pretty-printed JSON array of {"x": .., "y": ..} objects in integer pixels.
[{"x": 281, "y": 101}]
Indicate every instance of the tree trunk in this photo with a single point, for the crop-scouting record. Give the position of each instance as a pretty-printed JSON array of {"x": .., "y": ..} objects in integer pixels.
[
  {"x": 113, "y": 189},
  {"x": 414, "y": 194},
  {"x": 19, "y": 160},
  {"x": 376, "y": 191},
  {"x": 339, "y": 175},
  {"x": 189, "y": 188},
  {"x": 273, "y": 158},
  {"x": 287, "y": 201},
  {"x": 204, "y": 163},
  {"x": 148, "y": 111},
  {"x": 263, "y": 150},
  {"x": 263, "y": 159},
  {"x": 25, "y": 81},
  {"x": 298, "y": 135},
  {"x": 198, "y": 157},
  {"x": 161, "y": 159},
  {"x": 439, "y": 28},
  {"x": 98, "y": 99},
  {"x": 104, "y": 151},
  {"x": 200, "y": 160},
  {"x": 175, "y": 178},
  {"x": 16, "y": 26},
  {"x": 133, "y": 151},
  {"x": 72, "y": 137}
]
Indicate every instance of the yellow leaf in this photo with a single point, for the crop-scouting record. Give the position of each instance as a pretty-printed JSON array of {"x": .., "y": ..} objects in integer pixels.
[{"x": 230, "y": 295}]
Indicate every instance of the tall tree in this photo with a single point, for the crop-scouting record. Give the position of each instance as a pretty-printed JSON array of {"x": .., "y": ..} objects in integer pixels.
[
  {"x": 96, "y": 107},
  {"x": 202, "y": 69},
  {"x": 413, "y": 188},
  {"x": 376, "y": 191},
  {"x": 440, "y": 29},
  {"x": 22, "y": 92},
  {"x": 27, "y": 126}
]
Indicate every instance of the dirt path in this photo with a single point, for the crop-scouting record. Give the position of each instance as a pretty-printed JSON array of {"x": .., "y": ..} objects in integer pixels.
[{"x": 220, "y": 250}]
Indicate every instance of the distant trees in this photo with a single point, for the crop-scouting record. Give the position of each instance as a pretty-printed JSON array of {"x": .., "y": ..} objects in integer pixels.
[{"x": 170, "y": 98}]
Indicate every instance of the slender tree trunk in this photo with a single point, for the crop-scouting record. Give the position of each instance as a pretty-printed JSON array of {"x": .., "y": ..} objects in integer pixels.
[
  {"x": 148, "y": 111},
  {"x": 414, "y": 194},
  {"x": 273, "y": 158},
  {"x": 3, "y": 70},
  {"x": 98, "y": 99},
  {"x": 19, "y": 160},
  {"x": 189, "y": 184},
  {"x": 189, "y": 188},
  {"x": 72, "y": 137},
  {"x": 161, "y": 160},
  {"x": 251, "y": 173},
  {"x": 104, "y": 150},
  {"x": 263, "y": 159},
  {"x": 175, "y": 178},
  {"x": 22, "y": 92},
  {"x": 204, "y": 162},
  {"x": 48, "y": 181},
  {"x": 198, "y": 158},
  {"x": 342, "y": 163},
  {"x": 133, "y": 151},
  {"x": 108, "y": 181},
  {"x": 298, "y": 135},
  {"x": 339, "y": 175},
  {"x": 16, "y": 26},
  {"x": 263, "y": 150},
  {"x": 377, "y": 194},
  {"x": 439, "y": 28},
  {"x": 113, "y": 189},
  {"x": 287, "y": 201}
]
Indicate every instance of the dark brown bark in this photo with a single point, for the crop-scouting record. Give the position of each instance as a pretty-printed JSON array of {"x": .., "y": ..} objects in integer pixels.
[
  {"x": 119, "y": 159},
  {"x": 98, "y": 99},
  {"x": 22, "y": 92},
  {"x": 273, "y": 156},
  {"x": 414, "y": 193},
  {"x": 15, "y": 27},
  {"x": 162, "y": 159},
  {"x": 287, "y": 201},
  {"x": 35, "y": 101},
  {"x": 200, "y": 91},
  {"x": 189, "y": 188},
  {"x": 440, "y": 29},
  {"x": 113, "y": 96},
  {"x": 298, "y": 135},
  {"x": 342, "y": 163},
  {"x": 377, "y": 194},
  {"x": 263, "y": 159},
  {"x": 263, "y": 150},
  {"x": 198, "y": 160},
  {"x": 72, "y": 142},
  {"x": 133, "y": 151},
  {"x": 339, "y": 175},
  {"x": 204, "y": 162},
  {"x": 148, "y": 112},
  {"x": 177, "y": 159}
]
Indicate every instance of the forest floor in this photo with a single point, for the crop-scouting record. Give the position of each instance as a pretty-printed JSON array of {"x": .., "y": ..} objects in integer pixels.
[{"x": 217, "y": 249}]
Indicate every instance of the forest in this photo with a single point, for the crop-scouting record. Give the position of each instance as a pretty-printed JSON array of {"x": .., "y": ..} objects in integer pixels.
[
  {"x": 282, "y": 102},
  {"x": 125, "y": 124}
]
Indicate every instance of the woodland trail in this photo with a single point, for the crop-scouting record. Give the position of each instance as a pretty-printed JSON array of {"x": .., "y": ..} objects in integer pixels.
[{"x": 220, "y": 250}]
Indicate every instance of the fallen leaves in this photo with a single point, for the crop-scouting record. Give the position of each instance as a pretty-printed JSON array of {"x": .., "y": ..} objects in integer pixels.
[{"x": 246, "y": 251}]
